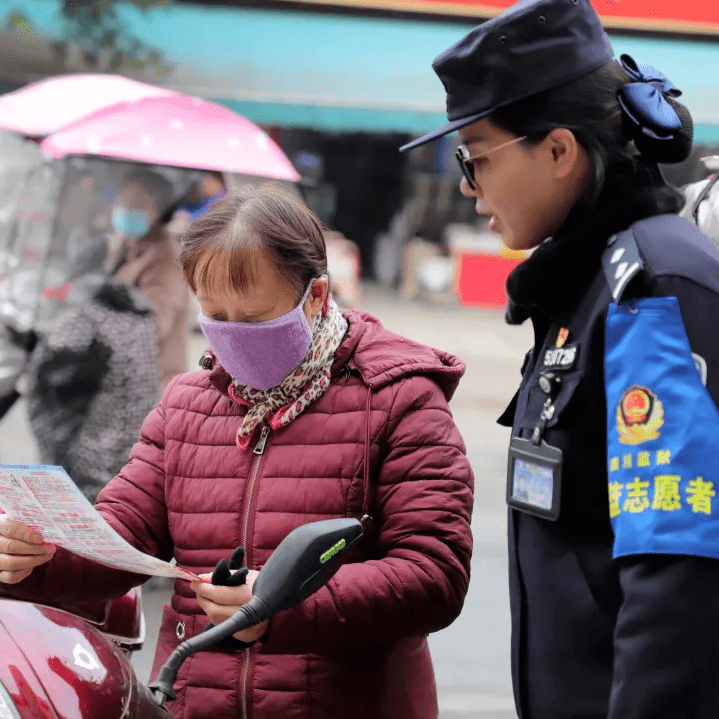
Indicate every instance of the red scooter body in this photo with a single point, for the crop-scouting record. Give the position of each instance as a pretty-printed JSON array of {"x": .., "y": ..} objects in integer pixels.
[{"x": 54, "y": 665}]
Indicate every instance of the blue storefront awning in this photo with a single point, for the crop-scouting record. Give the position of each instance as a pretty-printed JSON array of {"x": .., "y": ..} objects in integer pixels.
[{"x": 345, "y": 73}]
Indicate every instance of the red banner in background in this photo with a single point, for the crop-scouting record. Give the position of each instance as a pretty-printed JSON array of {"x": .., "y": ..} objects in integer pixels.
[{"x": 681, "y": 16}]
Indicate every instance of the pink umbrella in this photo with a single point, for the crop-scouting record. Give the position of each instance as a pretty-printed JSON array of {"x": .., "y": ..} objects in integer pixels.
[
  {"x": 175, "y": 130},
  {"x": 47, "y": 106}
]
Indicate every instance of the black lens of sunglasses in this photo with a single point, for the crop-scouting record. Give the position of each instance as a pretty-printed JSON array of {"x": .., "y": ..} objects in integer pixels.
[{"x": 466, "y": 167}]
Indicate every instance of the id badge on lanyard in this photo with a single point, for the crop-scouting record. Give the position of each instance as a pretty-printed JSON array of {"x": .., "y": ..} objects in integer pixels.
[{"x": 534, "y": 469}]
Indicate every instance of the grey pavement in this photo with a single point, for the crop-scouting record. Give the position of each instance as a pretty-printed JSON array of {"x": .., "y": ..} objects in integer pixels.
[{"x": 472, "y": 655}]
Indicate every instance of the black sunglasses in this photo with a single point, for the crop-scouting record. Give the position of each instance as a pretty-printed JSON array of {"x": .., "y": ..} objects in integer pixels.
[
  {"x": 465, "y": 164},
  {"x": 465, "y": 160}
]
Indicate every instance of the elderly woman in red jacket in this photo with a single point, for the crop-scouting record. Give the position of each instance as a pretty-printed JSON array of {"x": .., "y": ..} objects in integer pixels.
[{"x": 299, "y": 413}]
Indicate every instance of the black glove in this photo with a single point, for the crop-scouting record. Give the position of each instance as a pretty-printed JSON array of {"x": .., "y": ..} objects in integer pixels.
[
  {"x": 231, "y": 574},
  {"x": 223, "y": 575}
]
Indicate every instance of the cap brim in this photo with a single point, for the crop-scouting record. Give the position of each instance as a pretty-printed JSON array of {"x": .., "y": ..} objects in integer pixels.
[{"x": 444, "y": 130}]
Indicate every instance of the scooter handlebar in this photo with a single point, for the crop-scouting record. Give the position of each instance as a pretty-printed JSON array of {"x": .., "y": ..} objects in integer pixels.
[
  {"x": 305, "y": 560},
  {"x": 248, "y": 615}
]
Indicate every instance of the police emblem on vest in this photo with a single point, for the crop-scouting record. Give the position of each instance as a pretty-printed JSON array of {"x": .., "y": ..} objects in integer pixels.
[{"x": 640, "y": 414}]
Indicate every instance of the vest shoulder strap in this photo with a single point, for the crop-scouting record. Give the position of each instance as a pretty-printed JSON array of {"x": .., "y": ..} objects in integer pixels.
[{"x": 621, "y": 262}]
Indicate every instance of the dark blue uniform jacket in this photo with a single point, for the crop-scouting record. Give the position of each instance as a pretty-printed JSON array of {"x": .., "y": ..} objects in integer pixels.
[{"x": 593, "y": 635}]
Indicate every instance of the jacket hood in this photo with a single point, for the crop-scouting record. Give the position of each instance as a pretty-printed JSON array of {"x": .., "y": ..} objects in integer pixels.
[{"x": 382, "y": 357}]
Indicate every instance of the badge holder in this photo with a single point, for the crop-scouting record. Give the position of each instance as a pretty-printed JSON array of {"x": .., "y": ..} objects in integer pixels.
[{"x": 534, "y": 471}]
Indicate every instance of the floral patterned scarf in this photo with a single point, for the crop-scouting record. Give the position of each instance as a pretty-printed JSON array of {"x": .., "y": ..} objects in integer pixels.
[{"x": 280, "y": 405}]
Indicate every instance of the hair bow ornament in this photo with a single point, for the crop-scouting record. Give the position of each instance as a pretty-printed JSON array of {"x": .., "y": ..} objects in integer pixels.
[{"x": 644, "y": 100}]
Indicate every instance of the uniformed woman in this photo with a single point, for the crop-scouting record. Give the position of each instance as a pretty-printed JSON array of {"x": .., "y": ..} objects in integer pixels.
[{"x": 613, "y": 467}]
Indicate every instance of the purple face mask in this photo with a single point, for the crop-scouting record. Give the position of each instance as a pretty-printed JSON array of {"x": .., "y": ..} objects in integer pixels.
[{"x": 260, "y": 354}]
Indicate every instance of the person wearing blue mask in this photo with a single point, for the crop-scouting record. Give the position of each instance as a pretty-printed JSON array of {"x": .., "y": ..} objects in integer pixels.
[
  {"x": 209, "y": 189},
  {"x": 144, "y": 254},
  {"x": 612, "y": 472}
]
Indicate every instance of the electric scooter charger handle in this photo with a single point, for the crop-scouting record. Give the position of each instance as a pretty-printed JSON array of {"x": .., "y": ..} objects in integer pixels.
[{"x": 305, "y": 560}]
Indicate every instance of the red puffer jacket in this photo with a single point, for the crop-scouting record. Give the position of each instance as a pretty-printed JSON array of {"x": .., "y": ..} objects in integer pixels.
[{"x": 357, "y": 648}]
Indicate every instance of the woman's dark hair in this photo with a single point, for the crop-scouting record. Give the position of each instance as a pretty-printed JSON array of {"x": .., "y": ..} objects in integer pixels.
[
  {"x": 220, "y": 248},
  {"x": 589, "y": 107}
]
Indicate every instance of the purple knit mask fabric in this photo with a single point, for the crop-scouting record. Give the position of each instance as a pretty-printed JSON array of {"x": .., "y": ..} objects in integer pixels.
[{"x": 260, "y": 354}]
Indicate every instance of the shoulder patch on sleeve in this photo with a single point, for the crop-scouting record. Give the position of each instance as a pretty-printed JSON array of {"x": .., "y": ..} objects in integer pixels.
[
  {"x": 621, "y": 262},
  {"x": 662, "y": 434}
]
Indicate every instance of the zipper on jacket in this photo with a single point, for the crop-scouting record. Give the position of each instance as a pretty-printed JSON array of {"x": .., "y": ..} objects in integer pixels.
[
  {"x": 259, "y": 450},
  {"x": 245, "y": 675},
  {"x": 260, "y": 446},
  {"x": 346, "y": 371}
]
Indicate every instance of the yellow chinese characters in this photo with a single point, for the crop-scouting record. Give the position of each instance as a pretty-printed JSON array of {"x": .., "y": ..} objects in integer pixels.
[
  {"x": 662, "y": 458},
  {"x": 700, "y": 495},
  {"x": 637, "y": 496},
  {"x": 666, "y": 493},
  {"x": 667, "y": 496},
  {"x": 644, "y": 459}
]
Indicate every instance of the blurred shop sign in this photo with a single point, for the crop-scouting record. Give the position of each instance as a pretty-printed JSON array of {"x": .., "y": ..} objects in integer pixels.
[
  {"x": 482, "y": 264},
  {"x": 674, "y": 16}
]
